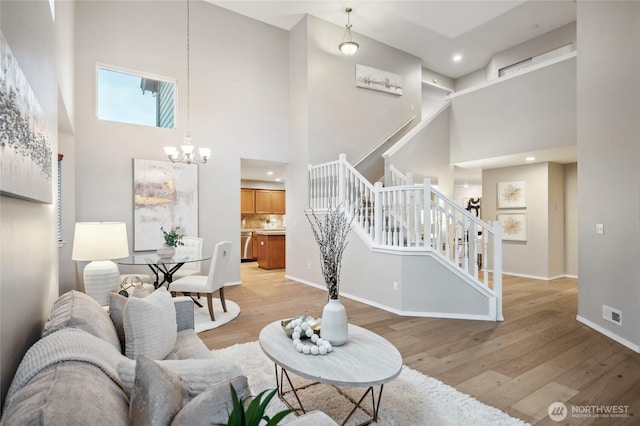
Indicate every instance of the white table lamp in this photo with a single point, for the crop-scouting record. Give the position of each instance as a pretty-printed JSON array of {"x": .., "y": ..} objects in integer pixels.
[{"x": 100, "y": 242}]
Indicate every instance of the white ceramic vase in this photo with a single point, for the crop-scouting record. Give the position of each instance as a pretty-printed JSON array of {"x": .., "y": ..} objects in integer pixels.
[
  {"x": 334, "y": 326},
  {"x": 166, "y": 251}
]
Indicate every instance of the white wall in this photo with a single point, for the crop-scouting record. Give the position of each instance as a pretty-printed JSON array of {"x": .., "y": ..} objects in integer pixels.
[
  {"x": 608, "y": 165},
  {"x": 529, "y": 112},
  {"x": 347, "y": 119},
  {"x": 239, "y": 105},
  {"x": 534, "y": 47},
  {"x": 427, "y": 155},
  {"x": 571, "y": 219},
  {"x": 542, "y": 255},
  {"x": 537, "y": 46},
  {"x": 28, "y": 243},
  {"x": 330, "y": 115}
]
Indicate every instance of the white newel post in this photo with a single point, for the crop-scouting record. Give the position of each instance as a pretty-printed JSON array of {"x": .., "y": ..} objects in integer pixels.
[
  {"x": 426, "y": 209},
  {"x": 377, "y": 213},
  {"x": 497, "y": 268}
]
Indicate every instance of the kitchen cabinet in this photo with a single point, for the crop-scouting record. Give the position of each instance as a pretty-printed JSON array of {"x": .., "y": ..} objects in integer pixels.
[
  {"x": 268, "y": 201},
  {"x": 247, "y": 201},
  {"x": 254, "y": 253},
  {"x": 271, "y": 250}
]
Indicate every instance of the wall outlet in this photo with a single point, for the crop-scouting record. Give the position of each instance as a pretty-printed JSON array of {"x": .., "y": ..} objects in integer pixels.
[
  {"x": 612, "y": 315},
  {"x": 395, "y": 286},
  {"x": 308, "y": 266},
  {"x": 599, "y": 228}
]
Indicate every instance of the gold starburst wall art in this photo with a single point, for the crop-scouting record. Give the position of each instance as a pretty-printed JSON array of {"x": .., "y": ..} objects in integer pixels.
[
  {"x": 511, "y": 194},
  {"x": 514, "y": 226}
]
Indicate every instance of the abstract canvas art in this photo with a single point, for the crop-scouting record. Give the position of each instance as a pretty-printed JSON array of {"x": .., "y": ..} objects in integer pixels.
[
  {"x": 25, "y": 148},
  {"x": 514, "y": 226},
  {"x": 375, "y": 79},
  {"x": 511, "y": 195},
  {"x": 165, "y": 195}
]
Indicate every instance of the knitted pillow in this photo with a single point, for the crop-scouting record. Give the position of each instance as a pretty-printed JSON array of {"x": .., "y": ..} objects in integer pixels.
[
  {"x": 76, "y": 309},
  {"x": 150, "y": 325}
]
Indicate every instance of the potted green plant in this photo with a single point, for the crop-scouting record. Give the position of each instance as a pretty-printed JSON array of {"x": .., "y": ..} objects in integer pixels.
[
  {"x": 172, "y": 239},
  {"x": 252, "y": 414}
]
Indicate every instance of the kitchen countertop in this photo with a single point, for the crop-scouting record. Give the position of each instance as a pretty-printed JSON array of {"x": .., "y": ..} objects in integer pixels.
[{"x": 271, "y": 232}]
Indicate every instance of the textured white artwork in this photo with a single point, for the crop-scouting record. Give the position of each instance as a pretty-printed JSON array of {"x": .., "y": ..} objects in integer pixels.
[
  {"x": 511, "y": 194},
  {"x": 375, "y": 79},
  {"x": 165, "y": 195},
  {"x": 25, "y": 148},
  {"x": 514, "y": 226}
]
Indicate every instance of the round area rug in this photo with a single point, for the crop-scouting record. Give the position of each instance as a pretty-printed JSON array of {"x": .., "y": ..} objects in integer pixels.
[{"x": 203, "y": 319}]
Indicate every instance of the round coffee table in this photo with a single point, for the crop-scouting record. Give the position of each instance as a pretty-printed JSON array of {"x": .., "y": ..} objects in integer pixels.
[{"x": 365, "y": 360}]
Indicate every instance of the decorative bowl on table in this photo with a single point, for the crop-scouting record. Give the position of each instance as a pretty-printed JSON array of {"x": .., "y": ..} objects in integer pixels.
[{"x": 313, "y": 323}]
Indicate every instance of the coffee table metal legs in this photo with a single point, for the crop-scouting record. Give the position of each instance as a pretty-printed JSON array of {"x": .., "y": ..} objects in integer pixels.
[{"x": 373, "y": 412}]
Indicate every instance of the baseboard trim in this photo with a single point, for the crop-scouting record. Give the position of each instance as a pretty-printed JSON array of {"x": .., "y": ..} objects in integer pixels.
[
  {"x": 538, "y": 277},
  {"x": 609, "y": 334},
  {"x": 399, "y": 312}
]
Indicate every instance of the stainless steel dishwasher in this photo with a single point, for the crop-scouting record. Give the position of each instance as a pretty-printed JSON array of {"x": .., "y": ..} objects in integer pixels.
[{"x": 246, "y": 246}]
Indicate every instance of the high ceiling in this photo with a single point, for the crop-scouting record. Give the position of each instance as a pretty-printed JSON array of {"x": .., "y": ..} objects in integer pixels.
[{"x": 432, "y": 30}]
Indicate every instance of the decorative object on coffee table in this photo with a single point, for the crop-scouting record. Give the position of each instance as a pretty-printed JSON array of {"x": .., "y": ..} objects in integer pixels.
[
  {"x": 172, "y": 239},
  {"x": 331, "y": 235}
]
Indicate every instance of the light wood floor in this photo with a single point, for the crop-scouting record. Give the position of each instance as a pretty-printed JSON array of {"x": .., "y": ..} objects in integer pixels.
[{"x": 538, "y": 355}]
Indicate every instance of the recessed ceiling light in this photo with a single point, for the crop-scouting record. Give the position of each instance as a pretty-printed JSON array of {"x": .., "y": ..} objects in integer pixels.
[
  {"x": 457, "y": 57},
  {"x": 278, "y": 179},
  {"x": 270, "y": 173},
  {"x": 466, "y": 185},
  {"x": 530, "y": 159}
]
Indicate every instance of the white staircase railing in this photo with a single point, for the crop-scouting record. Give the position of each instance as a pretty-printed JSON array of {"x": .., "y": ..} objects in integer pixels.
[{"x": 413, "y": 217}]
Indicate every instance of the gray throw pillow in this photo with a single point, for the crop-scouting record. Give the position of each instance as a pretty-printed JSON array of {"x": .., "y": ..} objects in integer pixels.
[
  {"x": 116, "y": 312},
  {"x": 213, "y": 405},
  {"x": 157, "y": 395}
]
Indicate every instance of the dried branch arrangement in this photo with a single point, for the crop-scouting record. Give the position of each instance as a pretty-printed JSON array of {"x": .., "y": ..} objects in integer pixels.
[{"x": 331, "y": 236}]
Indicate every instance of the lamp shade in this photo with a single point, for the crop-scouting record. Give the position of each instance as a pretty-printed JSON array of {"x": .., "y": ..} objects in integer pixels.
[{"x": 100, "y": 241}]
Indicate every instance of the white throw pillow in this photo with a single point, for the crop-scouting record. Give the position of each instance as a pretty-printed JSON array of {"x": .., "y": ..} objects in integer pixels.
[{"x": 150, "y": 326}]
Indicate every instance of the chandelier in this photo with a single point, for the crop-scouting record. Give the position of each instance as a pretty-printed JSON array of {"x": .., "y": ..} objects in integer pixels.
[
  {"x": 187, "y": 152},
  {"x": 348, "y": 46}
]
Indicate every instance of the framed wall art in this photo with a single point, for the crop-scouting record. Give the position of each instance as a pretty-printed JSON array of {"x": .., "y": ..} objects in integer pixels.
[
  {"x": 165, "y": 195},
  {"x": 375, "y": 79},
  {"x": 514, "y": 226},
  {"x": 511, "y": 194},
  {"x": 25, "y": 146}
]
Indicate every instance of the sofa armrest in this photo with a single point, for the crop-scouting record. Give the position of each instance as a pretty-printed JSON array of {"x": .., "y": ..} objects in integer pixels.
[{"x": 184, "y": 312}]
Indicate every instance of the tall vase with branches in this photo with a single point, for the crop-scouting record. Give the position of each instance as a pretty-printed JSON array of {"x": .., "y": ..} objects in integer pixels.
[{"x": 330, "y": 234}]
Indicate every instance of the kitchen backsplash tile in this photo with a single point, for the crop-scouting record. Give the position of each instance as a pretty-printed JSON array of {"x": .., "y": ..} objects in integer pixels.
[{"x": 261, "y": 221}]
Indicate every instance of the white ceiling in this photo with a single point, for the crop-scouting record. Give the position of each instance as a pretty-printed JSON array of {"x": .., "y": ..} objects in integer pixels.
[
  {"x": 431, "y": 30},
  {"x": 264, "y": 171}
]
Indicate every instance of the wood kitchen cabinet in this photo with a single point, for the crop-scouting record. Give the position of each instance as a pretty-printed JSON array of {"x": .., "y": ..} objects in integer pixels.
[
  {"x": 247, "y": 201},
  {"x": 271, "y": 250},
  {"x": 269, "y": 201}
]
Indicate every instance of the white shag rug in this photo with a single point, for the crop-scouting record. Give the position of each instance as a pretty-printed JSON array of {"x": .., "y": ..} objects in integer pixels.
[
  {"x": 410, "y": 399},
  {"x": 203, "y": 319}
]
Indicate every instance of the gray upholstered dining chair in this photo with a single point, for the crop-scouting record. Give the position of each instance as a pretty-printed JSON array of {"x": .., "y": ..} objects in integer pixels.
[{"x": 208, "y": 284}]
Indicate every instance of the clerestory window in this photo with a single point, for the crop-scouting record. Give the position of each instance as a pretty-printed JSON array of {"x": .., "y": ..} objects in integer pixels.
[{"x": 131, "y": 97}]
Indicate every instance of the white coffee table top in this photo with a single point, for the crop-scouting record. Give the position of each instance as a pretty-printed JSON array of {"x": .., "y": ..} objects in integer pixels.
[{"x": 366, "y": 359}]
